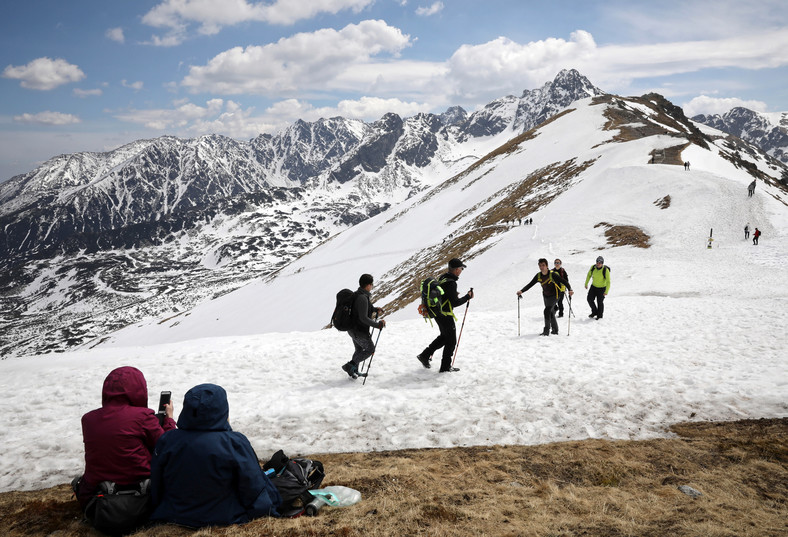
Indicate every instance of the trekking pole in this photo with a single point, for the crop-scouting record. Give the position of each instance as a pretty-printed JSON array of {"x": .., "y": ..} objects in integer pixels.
[
  {"x": 519, "y": 297},
  {"x": 369, "y": 364},
  {"x": 571, "y": 313},
  {"x": 461, "y": 327}
]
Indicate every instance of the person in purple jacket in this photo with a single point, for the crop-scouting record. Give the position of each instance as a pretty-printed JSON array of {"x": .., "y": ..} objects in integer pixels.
[{"x": 120, "y": 436}]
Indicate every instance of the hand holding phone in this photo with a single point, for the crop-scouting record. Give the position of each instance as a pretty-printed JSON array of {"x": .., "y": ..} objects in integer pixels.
[{"x": 164, "y": 401}]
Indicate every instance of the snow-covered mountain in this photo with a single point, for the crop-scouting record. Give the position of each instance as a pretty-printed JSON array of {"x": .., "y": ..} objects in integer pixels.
[
  {"x": 767, "y": 131},
  {"x": 92, "y": 242},
  {"x": 690, "y": 332},
  {"x": 600, "y": 150}
]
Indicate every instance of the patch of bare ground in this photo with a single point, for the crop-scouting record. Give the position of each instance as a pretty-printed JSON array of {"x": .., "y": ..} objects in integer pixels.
[
  {"x": 665, "y": 119},
  {"x": 663, "y": 203},
  {"x": 592, "y": 488},
  {"x": 625, "y": 235}
]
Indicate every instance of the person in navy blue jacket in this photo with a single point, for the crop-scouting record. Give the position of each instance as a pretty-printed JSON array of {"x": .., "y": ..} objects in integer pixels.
[{"x": 206, "y": 474}]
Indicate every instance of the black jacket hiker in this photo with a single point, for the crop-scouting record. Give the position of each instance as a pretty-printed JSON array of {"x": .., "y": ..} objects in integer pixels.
[
  {"x": 550, "y": 282},
  {"x": 448, "y": 330},
  {"x": 363, "y": 321}
]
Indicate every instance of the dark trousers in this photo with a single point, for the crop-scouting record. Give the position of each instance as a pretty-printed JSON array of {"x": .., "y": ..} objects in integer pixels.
[
  {"x": 746, "y": 234},
  {"x": 755, "y": 239},
  {"x": 447, "y": 339},
  {"x": 549, "y": 314},
  {"x": 596, "y": 299},
  {"x": 364, "y": 348},
  {"x": 560, "y": 302}
]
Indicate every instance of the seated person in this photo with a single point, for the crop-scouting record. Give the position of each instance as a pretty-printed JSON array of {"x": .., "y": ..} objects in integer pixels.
[
  {"x": 204, "y": 473},
  {"x": 120, "y": 436}
]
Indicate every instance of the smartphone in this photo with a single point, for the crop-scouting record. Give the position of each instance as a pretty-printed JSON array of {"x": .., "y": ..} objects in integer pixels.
[{"x": 164, "y": 399}]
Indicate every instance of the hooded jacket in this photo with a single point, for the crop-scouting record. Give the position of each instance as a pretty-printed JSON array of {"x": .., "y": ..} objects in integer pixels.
[
  {"x": 204, "y": 473},
  {"x": 120, "y": 436}
]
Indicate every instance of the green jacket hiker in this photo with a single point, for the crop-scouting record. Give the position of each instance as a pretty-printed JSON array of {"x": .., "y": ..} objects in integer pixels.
[{"x": 599, "y": 274}]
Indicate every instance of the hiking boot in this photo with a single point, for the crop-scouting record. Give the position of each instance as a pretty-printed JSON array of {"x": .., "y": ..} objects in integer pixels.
[
  {"x": 450, "y": 370},
  {"x": 425, "y": 360},
  {"x": 350, "y": 369},
  {"x": 592, "y": 316},
  {"x": 545, "y": 332},
  {"x": 554, "y": 332},
  {"x": 561, "y": 314}
]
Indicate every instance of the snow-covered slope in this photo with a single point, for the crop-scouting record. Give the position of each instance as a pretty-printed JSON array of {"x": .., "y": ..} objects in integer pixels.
[
  {"x": 570, "y": 175},
  {"x": 689, "y": 332},
  {"x": 154, "y": 227}
]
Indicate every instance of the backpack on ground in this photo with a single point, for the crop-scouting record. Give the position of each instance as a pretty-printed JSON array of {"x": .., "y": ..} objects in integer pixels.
[
  {"x": 294, "y": 478},
  {"x": 342, "y": 318},
  {"x": 118, "y": 510}
]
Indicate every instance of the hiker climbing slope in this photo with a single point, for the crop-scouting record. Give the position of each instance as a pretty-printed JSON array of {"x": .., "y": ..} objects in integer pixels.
[
  {"x": 551, "y": 283},
  {"x": 445, "y": 318},
  {"x": 600, "y": 287},
  {"x": 359, "y": 333}
]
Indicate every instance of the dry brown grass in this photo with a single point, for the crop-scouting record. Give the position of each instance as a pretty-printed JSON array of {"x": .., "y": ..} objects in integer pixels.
[
  {"x": 625, "y": 235},
  {"x": 590, "y": 488}
]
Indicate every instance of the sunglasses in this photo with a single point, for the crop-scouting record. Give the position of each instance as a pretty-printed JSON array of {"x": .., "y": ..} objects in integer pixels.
[{"x": 557, "y": 262}]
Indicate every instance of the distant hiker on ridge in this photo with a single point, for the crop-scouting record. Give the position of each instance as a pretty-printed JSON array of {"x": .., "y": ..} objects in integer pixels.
[
  {"x": 445, "y": 319},
  {"x": 600, "y": 287},
  {"x": 751, "y": 189},
  {"x": 755, "y": 235},
  {"x": 557, "y": 267},
  {"x": 747, "y": 231},
  {"x": 362, "y": 340},
  {"x": 551, "y": 282}
]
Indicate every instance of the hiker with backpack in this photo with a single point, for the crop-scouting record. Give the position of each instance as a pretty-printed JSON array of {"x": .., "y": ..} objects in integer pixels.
[
  {"x": 756, "y": 235},
  {"x": 558, "y": 267},
  {"x": 443, "y": 313},
  {"x": 551, "y": 283},
  {"x": 361, "y": 320},
  {"x": 599, "y": 273},
  {"x": 205, "y": 474}
]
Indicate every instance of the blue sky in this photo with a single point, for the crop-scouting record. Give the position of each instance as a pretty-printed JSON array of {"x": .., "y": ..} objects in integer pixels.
[{"x": 92, "y": 75}]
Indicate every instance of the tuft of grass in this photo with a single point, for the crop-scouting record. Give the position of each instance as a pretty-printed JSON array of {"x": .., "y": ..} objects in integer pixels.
[{"x": 593, "y": 488}]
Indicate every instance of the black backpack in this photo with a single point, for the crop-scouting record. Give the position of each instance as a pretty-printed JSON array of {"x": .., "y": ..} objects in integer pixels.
[
  {"x": 431, "y": 298},
  {"x": 118, "y": 510},
  {"x": 294, "y": 478},
  {"x": 343, "y": 318}
]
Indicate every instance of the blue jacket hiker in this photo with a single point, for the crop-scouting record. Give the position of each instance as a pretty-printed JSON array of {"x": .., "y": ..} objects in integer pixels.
[
  {"x": 205, "y": 474},
  {"x": 359, "y": 334}
]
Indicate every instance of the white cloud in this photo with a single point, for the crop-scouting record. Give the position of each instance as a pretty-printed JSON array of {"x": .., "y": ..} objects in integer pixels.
[
  {"x": 427, "y": 11},
  {"x": 115, "y": 34},
  {"x": 136, "y": 86},
  {"x": 179, "y": 117},
  {"x": 88, "y": 93},
  {"x": 47, "y": 118},
  {"x": 44, "y": 73},
  {"x": 212, "y": 16},
  {"x": 704, "y": 104},
  {"x": 304, "y": 61},
  {"x": 502, "y": 65}
]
